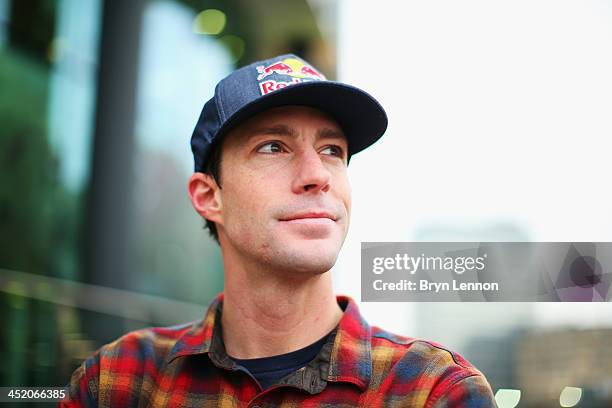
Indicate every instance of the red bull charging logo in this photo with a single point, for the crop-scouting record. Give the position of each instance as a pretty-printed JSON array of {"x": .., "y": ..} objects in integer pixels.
[{"x": 292, "y": 67}]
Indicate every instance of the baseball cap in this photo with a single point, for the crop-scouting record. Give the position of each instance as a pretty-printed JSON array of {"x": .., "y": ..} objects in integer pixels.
[{"x": 281, "y": 81}]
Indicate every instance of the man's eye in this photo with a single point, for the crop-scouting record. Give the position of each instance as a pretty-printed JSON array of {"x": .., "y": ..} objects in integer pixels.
[
  {"x": 332, "y": 150},
  {"x": 271, "y": 147}
]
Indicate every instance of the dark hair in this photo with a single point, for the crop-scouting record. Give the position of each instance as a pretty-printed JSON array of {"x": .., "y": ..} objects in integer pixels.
[{"x": 212, "y": 167}]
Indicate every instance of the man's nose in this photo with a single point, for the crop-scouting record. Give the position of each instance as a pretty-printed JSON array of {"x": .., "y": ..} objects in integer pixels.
[{"x": 311, "y": 173}]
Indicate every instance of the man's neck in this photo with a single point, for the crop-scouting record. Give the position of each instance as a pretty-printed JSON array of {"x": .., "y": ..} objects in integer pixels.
[{"x": 275, "y": 314}]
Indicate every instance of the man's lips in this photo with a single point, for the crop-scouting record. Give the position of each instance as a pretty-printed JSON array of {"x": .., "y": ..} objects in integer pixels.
[
  {"x": 310, "y": 224},
  {"x": 312, "y": 215}
]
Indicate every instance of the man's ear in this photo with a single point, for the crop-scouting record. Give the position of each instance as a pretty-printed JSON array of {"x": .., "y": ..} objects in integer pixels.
[{"x": 203, "y": 193}]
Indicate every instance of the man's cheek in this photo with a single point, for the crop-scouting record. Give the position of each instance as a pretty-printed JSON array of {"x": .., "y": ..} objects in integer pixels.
[{"x": 346, "y": 199}]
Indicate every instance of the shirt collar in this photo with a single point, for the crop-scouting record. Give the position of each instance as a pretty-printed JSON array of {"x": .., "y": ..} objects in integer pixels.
[
  {"x": 345, "y": 358},
  {"x": 199, "y": 338},
  {"x": 350, "y": 357}
]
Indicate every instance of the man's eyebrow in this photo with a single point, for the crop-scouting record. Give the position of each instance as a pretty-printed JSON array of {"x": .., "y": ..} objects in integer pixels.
[{"x": 330, "y": 133}]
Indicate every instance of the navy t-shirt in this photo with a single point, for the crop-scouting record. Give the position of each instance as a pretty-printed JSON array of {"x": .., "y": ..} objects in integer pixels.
[{"x": 269, "y": 370}]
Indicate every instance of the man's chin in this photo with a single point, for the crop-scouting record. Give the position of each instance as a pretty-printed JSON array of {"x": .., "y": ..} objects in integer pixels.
[{"x": 309, "y": 257}]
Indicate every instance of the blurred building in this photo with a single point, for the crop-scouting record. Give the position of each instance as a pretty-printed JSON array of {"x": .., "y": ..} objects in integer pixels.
[{"x": 549, "y": 361}]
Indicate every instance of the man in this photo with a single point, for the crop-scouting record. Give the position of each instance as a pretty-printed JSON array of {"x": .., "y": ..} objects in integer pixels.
[{"x": 271, "y": 150}]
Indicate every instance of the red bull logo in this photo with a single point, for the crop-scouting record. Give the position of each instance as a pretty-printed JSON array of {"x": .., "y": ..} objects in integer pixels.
[{"x": 292, "y": 67}]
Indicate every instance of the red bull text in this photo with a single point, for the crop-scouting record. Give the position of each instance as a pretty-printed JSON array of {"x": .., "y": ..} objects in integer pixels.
[{"x": 291, "y": 67}]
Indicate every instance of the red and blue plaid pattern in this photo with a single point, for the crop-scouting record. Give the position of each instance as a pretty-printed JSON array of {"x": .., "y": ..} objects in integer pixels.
[{"x": 359, "y": 366}]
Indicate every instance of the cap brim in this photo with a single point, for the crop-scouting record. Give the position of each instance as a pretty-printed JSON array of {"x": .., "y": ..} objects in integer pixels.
[{"x": 361, "y": 117}]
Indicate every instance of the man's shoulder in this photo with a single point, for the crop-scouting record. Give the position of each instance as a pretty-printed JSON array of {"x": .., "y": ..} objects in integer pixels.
[
  {"x": 133, "y": 356},
  {"x": 151, "y": 343},
  {"x": 421, "y": 353},
  {"x": 400, "y": 362}
]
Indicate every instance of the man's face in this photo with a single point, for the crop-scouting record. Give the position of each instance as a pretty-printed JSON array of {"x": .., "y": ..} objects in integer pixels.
[{"x": 285, "y": 196}]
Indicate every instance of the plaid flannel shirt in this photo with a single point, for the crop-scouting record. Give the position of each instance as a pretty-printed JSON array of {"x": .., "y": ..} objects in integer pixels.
[{"x": 359, "y": 366}]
